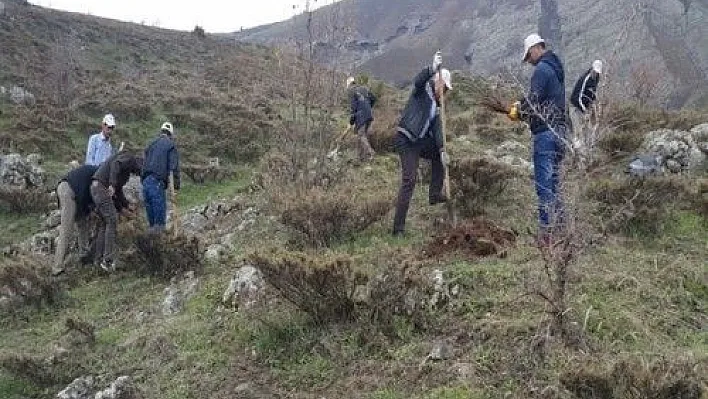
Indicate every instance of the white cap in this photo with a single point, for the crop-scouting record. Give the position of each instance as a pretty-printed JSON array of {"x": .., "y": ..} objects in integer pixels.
[
  {"x": 168, "y": 127},
  {"x": 446, "y": 77},
  {"x": 531, "y": 40},
  {"x": 350, "y": 81},
  {"x": 109, "y": 120},
  {"x": 597, "y": 66}
]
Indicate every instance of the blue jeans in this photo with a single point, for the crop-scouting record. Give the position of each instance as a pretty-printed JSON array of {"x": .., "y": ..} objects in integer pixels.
[
  {"x": 155, "y": 201},
  {"x": 548, "y": 153}
]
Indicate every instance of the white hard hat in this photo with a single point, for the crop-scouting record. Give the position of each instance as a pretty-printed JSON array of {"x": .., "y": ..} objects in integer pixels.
[
  {"x": 531, "y": 40},
  {"x": 167, "y": 126},
  {"x": 350, "y": 81},
  {"x": 597, "y": 66},
  {"x": 109, "y": 120},
  {"x": 446, "y": 77}
]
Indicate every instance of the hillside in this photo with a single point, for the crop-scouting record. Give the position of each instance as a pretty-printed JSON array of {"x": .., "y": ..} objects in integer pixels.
[
  {"x": 80, "y": 67},
  {"x": 280, "y": 279},
  {"x": 392, "y": 39}
]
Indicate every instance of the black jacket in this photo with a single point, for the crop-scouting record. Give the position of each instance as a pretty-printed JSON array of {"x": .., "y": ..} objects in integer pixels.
[
  {"x": 584, "y": 92},
  {"x": 544, "y": 106},
  {"x": 79, "y": 180},
  {"x": 361, "y": 101},
  {"x": 161, "y": 158},
  {"x": 115, "y": 172},
  {"x": 415, "y": 116}
]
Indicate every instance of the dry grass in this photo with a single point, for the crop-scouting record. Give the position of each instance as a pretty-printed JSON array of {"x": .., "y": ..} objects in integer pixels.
[
  {"x": 24, "y": 200},
  {"x": 26, "y": 281}
]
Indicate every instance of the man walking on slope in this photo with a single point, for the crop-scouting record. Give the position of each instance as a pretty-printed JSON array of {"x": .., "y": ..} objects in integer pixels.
[
  {"x": 75, "y": 204},
  {"x": 543, "y": 108},
  {"x": 161, "y": 161},
  {"x": 419, "y": 135},
  {"x": 99, "y": 145},
  {"x": 107, "y": 194},
  {"x": 583, "y": 98},
  {"x": 362, "y": 102}
]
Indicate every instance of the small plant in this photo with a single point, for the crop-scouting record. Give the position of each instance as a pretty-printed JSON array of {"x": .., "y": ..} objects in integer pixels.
[
  {"x": 477, "y": 182},
  {"x": 24, "y": 200},
  {"x": 327, "y": 217},
  {"x": 322, "y": 288},
  {"x": 165, "y": 255},
  {"x": 26, "y": 281},
  {"x": 633, "y": 205}
]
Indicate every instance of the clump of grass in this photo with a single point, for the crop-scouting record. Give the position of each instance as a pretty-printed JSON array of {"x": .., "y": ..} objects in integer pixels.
[{"x": 26, "y": 281}]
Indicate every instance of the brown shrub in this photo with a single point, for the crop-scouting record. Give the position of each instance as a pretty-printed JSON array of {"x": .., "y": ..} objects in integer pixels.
[
  {"x": 476, "y": 182},
  {"x": 322, "y": 288},
  {"x": 633, "y": 378},
  {"x": 165, "y": 255},
  {"x": 324, "y": 217},
  {"x": 24, "y": 200},
  {"x": 26, "y": 281},
  {"x": 631, "y": 205}
]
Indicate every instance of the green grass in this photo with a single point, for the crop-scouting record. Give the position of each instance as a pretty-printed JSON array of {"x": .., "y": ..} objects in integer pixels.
[
  {"x": 192, "y": 194},
  {"x": 11, "y": 388},
  {"x": 17, "y": 227}
]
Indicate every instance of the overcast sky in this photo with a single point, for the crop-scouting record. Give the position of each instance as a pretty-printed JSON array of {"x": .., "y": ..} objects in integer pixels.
[{"x": 215, "y": 16}]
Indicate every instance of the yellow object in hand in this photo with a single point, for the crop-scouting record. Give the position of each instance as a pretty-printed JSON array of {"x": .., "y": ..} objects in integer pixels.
[{"x": 514, "y": 111}]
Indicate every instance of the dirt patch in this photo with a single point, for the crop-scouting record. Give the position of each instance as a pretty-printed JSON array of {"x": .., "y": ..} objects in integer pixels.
[{"x": 478, "y": 237}]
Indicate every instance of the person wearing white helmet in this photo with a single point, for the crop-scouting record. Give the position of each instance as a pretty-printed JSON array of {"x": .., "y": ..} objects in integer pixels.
[
  {"x": 419, "y": 135},
  {"x": 161, "y": 161},
  {"x": 544, "y": 109},
  {"x": 583, "y": 98},
  {"x": 361, "y": 115},
  {"x": 99, "y": 145}
]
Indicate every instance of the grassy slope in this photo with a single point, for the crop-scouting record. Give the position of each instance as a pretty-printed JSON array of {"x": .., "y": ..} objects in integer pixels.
[{"x": 634, "y": 297}]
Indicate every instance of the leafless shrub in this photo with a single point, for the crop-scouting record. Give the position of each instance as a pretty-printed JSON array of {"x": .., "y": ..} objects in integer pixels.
[
  {"x": 477, "y": 183},
  {"x": 645, "y": 83},
  {"x": 198, "y": 31},
  {"x": 325, "y": 217},
  {"x": 322, "y": 288},
  {"x": 24, "y": 200},
  {"x": 61, "y": 70}
]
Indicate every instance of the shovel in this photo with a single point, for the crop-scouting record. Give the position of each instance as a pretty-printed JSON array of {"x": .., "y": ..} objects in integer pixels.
[
  {"x": 451, "y": 214},
  {"x": 174, "y": 212}
]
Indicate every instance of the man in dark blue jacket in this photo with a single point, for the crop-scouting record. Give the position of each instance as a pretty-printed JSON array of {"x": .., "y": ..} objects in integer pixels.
[
  {"x": 361, "y": 103},
  {"x": 161, "y": 161},
  {"x": 544, "y": 110},
  {"x": 419, "y": 135}
]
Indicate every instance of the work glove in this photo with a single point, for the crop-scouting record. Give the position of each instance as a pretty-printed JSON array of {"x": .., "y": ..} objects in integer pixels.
[
  {"x": 444, "y": 158},
  {"x": 514, "y": 112},
  {"x": 437, "y": 61}
]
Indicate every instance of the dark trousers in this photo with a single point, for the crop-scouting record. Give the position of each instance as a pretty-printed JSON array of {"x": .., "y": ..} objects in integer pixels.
[
  {"x": 410, "y": 154},
  {"x": 155, "y": 202},
  {"x": 548, "y": 152},
  {"x": 365, "y": 150},
  {"x": 108, "y": 220}
]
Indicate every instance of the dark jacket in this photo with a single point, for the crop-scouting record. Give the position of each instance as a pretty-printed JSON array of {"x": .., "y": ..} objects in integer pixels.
[
  {"x": 584, "y": 92},
  {"x": 414, "y": 118},
  {"x": 79, "y": 180},
  {"x": 361, "y": 100},
  {"x": 115, "y": 172},
  {"x": 161, "y": 158},
  {"x": 544, "y": 106}
]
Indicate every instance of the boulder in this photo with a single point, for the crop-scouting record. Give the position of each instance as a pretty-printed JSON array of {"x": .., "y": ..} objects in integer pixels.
[
  {"x": 678, "y": 151},
  {"x": 121, "y": 388},
  {"x": 80, "y": 388},
  {"x": 20, "y": 96},
  {"x": 17, "y": 172},
  {"x": 245, "y": 287}
]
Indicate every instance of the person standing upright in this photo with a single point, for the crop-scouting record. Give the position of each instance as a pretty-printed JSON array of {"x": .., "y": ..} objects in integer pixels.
[
  {"x": 99, "y": 145},
  {"x": 544, "y": 109},
  {"x": 583, "y": 99},
  {"x": 361, "y": 115},
  {"x": 161, "y": 161}
]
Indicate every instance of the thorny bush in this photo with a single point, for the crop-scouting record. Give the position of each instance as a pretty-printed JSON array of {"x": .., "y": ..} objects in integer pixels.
[{"x": 24, "y": 200}]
